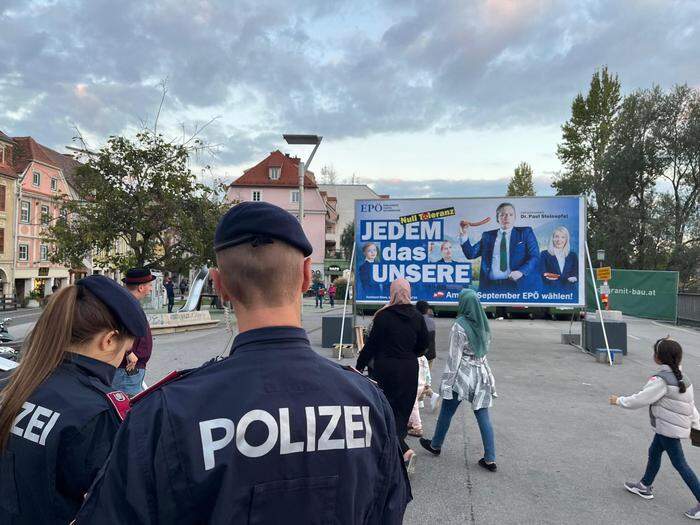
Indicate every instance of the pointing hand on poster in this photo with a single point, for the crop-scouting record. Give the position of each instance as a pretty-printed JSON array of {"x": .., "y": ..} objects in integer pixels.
[
  {"x": 515, "y": 275},
  {"x": 572, "y": 279}
]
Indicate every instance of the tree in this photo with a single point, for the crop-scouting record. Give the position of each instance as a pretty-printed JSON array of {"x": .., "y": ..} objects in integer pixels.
[
  {"x": 347, "y": 240},
  {"x": 521, "y": 183},
  {"x": 142, "y": 192},
  {"x": 328, "y": 175},
  {"x": 585, "y": 141}
]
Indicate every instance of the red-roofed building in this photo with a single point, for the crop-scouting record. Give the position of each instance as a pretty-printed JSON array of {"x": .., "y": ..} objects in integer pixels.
[
  {"x": 8, "y": 213},
  {"x": 276, "y": 180},
  {"x": 42, "y": 178}
]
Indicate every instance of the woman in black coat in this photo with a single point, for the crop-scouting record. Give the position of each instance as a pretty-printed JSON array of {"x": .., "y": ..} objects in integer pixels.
[{"x": 398, "y": 337}]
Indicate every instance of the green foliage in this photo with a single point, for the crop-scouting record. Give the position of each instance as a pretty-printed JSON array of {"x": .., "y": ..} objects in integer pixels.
[
  {"x": 616, "y": 152},
  {"x": 341, "y": 283},
  {"x": 142, "y": 192},
  {"x": 347, "y": 239},
  {"x": 521, "y": 183}
]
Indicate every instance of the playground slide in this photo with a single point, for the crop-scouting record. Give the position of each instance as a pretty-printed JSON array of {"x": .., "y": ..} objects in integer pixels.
[{"x": 196, "y": 288}]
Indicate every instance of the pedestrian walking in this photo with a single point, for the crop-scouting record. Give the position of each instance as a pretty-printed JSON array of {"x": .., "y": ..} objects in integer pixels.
[
  {"x": 170, "y": 293},
  {"x": 183, "y": 287},
  {"x": 320, "y": 292},
  {"x": 669, "y": 396},
  {"x": 467, "y": 377},
  {"x": 331, "y": 294},
  {"x": 132, "y": 370},
  {"x": 397, "y": 338},
  {"x": 415, "y": 425},
  {"x": 58, "y": 410},
  {"x": 300, "y": 439}
]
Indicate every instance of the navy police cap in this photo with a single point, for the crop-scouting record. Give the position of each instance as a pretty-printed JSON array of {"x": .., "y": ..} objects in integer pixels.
[
  {"x": 119, "y": 301},
  {"x": 260, "y": 223}
]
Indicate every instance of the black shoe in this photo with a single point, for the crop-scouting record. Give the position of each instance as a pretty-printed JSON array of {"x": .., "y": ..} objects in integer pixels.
[
  {"x": 488, "y": 466},
  {"x": 425, "y": 443}
]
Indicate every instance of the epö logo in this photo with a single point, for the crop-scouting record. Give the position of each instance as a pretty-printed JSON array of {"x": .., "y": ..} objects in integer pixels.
[{"x": 364, "y": 208}]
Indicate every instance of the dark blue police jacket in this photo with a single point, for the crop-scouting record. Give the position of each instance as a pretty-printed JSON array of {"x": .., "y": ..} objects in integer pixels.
[
  {"x": 523, "y": 254},
  {"x": 59, "y": 441},
  {"x": 273, "y": 434}
]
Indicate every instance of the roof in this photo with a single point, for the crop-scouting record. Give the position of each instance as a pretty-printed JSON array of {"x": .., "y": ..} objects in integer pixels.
[
  {"x": 29, "y": 150},
  {"x": 5, "y": 138},
  {"x": 258, "y": 175}
]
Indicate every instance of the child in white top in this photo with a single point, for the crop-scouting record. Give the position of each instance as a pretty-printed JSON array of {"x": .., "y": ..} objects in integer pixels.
[
  {"x": 669, "y": 396},
  {"x": 424, "y": 380}
]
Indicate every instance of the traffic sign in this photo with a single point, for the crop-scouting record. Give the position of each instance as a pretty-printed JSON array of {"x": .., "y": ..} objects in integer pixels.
[{"x": 604, "y": 273}]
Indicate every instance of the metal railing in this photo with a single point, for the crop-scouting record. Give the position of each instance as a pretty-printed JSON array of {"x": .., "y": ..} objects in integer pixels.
[{"x": 689, "y": 308}]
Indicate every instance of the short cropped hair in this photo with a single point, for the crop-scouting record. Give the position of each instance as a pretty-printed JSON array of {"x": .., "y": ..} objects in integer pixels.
[
  {"x": 504, "y": 205},
  {"x": 422, "y": 307},
  {"x": 263, "y": 275}
]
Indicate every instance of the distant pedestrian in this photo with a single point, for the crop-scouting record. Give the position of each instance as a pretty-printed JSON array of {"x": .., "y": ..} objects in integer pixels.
[
  {"x": 54, "y": 288},
  {"x": 397, "y": 338},
  {"x": 467, "y": 377},
  {"x": 320, "y": 292},
  {"x": 183, "y": 287},
  {"x": 669, "y": 396},
  {"x": 424, "y": 308},
  {"x": 132, "y": 370},
  {"x": 170, "y": 292},
  {"x": 331, "y": 294}
]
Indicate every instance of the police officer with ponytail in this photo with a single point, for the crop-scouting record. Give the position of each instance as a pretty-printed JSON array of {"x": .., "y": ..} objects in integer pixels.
[
  {"x": 274, "y": 433},
  {"x": 58, "y": 412}
]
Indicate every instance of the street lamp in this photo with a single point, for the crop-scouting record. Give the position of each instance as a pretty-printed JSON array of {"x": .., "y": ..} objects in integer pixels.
[{"x": 312, "y": 140}]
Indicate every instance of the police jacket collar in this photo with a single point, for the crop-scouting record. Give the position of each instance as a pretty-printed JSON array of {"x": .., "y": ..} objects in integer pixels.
[
  {"x": 272, "y": 334},
  {"x": 92, "y": 367}
]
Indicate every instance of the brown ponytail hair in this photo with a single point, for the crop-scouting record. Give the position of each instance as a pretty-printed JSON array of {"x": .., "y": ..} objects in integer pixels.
[
  {"x": 72, "y": 317},
  {"x": 669, "y": 352}
]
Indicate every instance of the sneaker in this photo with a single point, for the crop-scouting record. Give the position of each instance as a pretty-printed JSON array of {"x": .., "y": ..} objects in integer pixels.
[
  {"x": 425, "y": 443},
  {"x": 434, "y": 401},
  {"x": 694, "y": 513},
  {"x": 488, "y": 466},
  {"x": 641, "y": 490}
]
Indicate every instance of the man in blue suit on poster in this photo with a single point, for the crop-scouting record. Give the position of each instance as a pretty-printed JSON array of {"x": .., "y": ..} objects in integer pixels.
[{"x": 509, "y": 255}]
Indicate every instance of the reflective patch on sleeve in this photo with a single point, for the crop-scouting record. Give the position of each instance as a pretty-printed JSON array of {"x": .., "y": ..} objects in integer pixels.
[{"x": 120, "y": 402}]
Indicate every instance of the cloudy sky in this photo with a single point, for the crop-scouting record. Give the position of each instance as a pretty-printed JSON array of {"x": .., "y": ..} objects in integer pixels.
[{"x": 417, "y": 97}]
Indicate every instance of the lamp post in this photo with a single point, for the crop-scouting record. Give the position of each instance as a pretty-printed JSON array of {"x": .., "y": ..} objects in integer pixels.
[{"x": 312, "y": 140}]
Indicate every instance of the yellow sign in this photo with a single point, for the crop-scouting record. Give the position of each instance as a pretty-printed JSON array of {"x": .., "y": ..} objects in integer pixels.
[{"x": 604, "y": 273}]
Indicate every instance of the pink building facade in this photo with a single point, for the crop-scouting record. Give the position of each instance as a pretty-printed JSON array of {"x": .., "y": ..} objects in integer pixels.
[
  {"x": 41, "y": 181},
  {"x": 276, "y": 180}
]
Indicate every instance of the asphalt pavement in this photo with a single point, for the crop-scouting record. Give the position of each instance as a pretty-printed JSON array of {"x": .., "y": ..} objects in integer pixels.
[{"x": 562, "y": 451}]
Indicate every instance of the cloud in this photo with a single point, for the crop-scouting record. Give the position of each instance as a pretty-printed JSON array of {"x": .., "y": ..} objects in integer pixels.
[
  {"x": 436, "y": 188},
  {"x": 336, "y": 68}
]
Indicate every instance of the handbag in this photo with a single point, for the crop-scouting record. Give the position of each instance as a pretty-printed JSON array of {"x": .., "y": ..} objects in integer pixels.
[{"x": 695, "y": 437}]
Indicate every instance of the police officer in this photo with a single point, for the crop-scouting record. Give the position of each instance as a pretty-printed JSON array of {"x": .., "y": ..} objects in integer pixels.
[
  {"x": 274, "y": 433},
  {"x": 58, "y": 412}
]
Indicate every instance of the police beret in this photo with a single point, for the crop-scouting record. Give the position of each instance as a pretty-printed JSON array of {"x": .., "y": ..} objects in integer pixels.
[
  {"x": 138, "y": 276},
  {"x": 119, "y": 301},
  {"x": 260, "y": 223}
]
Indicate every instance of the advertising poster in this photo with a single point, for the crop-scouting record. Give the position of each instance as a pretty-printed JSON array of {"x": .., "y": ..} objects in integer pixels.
[{"x": 511, "y": 250}]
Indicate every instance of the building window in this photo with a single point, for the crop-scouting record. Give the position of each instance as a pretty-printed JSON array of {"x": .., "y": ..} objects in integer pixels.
[
  {"x": 274, "y": 172},
  {"x": 2, "y": 154},
  {"x": 3, "y": 197},
  {"x": 2, "y": 240},
  {"x": 36, "y": 178},
  {"x": 257, "y": 196},
  {"x": 294, "y": 196},
  {"x": 54, "y": 184},
  {"x": 24, "y": 213},
  {"x": 23, "y": 254},
  {"x": 45, "y": 217},
  {"x": 44, "y": 252}
]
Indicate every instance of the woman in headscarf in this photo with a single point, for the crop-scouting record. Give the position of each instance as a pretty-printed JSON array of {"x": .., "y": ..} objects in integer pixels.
[
  {"x": 467, "y": 377},
  {"x": 398, "y": 336}
]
